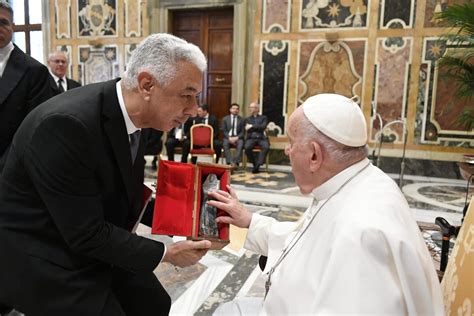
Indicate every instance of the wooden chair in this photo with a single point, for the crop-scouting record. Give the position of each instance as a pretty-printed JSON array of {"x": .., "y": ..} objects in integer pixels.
[
  {"x": 202, "y": 141},
  {"x": 256, "y": 150}
]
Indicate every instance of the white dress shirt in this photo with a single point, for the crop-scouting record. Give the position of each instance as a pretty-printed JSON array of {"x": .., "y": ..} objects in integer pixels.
[
  {"x": 56, "y": 78},
  {"x": 131, "y": 128},
  {"x": 5, "y": 53}
]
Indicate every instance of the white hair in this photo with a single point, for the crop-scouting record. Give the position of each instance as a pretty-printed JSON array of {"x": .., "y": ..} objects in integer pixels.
[
  {"x": 50, "y": 55},
  {"x": 335, "y": 151},
  {"x": 159, "y": 54}
]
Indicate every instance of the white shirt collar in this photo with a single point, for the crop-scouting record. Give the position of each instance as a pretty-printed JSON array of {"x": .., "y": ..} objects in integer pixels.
[
  {"x": 6, "y": 51},
  {"x": 131, "y": 128},
  {"x": 328, "y": 188},
  {"x": 56, "y": 78}
]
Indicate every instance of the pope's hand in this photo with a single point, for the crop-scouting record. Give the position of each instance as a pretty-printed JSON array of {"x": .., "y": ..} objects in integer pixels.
[
  {"x": 228, "y": 201},
  {"x": 185, "y": 253}
]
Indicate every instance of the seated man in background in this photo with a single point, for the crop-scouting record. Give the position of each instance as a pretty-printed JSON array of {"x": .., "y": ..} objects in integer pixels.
[
  {"x": 179, "y": 137},
  {"x": 58, "y": 64},
  {"x": 357, "y": 249},
  {"x": 255, "y": 126},
  {"x": 233, "y": 134},
  {"x": 204, "y": 117}
]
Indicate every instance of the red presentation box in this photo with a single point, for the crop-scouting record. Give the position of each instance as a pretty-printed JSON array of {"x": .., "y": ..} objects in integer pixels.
[{"x": 178, "y": 200}]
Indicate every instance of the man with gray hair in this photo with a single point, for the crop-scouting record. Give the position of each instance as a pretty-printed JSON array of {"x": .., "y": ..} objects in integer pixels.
[
  {"x": 356, "y": 249},
  {"x": 58, "y": 65},
  {"x": 72, "y": 187}
]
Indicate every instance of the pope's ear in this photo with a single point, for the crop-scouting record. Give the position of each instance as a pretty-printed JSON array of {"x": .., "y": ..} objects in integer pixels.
[
  {"x": 316, "y": 157},
  {"x": 145, "y": 83}
]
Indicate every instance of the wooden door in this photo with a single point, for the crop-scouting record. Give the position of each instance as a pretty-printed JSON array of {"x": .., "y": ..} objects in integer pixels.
[{"x": 212, "y": 31}]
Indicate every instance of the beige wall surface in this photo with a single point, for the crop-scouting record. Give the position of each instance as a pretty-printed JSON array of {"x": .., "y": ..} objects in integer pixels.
[{"x": 385, "y": 52}]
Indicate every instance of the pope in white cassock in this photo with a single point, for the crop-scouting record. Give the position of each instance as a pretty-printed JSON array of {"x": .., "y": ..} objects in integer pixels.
[{"x": 357, "y": 249}]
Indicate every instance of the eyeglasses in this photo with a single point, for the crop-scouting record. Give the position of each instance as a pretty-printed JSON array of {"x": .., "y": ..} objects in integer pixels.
[{"x": 59, "y": 61}]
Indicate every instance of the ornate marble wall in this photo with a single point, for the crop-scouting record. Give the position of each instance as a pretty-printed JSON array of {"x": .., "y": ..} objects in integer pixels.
[
  {"x": 98, "y": 35},
  {"x": 385, "y": 52}
]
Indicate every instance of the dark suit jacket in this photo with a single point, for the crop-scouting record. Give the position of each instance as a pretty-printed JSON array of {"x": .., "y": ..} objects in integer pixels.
[
  {"x": 187, "y": 128},
  {"x": 71, "y": 84},
  {"x": 69, "y": 196},
  {"x": 259, "y": 123},
  {"x": 152, "y": 141},
  {"x": 227, "y": 126},
  {"x": 212, "y": 120},
  {"x": 24, "y": 85}
]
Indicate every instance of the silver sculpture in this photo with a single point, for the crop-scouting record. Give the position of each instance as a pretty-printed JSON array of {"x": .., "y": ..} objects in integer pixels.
[{"x": 207, "y": 222}]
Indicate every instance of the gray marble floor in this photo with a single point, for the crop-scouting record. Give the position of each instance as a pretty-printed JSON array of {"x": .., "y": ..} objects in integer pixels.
[{"x": 233, "y": 272}]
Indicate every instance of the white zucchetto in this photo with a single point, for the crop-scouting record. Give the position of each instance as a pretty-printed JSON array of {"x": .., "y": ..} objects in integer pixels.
[{"x": 337, "y": 117}]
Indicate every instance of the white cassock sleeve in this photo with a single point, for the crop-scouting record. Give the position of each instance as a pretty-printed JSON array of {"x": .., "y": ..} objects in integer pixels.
[
  {"x": 266, "y": 234},
  {"x": 375, "y": 272}
]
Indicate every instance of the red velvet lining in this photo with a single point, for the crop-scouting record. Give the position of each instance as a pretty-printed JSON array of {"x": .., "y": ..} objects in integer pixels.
[
  {"x": 174, "y": 205},
  {"x": 174, "y": 199}
]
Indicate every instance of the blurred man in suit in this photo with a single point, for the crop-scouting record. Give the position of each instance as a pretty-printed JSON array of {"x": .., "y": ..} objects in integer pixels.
[
  {"x": 153, "y": 144},
  {"x": 179, "y": 137},
  {"x": 71, "y": 191},
  {"x": 233, "y": 135},
  {"x": 204, "y": 117},
  {"x": 58, "y": 64},
  {"x": 24, "y": 83},
  {"x": 255, "y": 126}
]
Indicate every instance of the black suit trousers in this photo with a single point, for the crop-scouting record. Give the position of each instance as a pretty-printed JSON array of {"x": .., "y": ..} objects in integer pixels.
[
  {"x": 250, "y": 144},
  {"x": 138, "y": 294}
]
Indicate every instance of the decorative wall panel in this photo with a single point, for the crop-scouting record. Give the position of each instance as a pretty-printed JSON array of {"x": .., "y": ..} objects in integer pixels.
[
  {"x": 97, "y": 65},
  {"x": 439, "y": 109},
  {"x": 392, "y": 73},
  {"x": 62, "y": 14},
  {"x": 128, "y": 52},
  {"x": 274, "y": 63},
  {"x": 133, "y": 18},
  {"x": 97, "y": 18},
  {"x": 276, "y": 16},
  {"x": 322, "y": 14},
  {"x": 104, "y": 33},
  {"x": 331, "y": 67},
  {"x": 434, "y": 6},
  {"x": 397, "y": 14}
]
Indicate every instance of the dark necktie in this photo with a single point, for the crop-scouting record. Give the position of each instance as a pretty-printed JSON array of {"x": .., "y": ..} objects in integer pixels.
[
  {"x": 134, "y": 142},
  {"x": 233, "y": 126},
  {"x": 60, "y": 85}
]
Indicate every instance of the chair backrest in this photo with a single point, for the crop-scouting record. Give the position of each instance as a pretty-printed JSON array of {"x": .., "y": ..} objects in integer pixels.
[
  {"x": 202, "y": 135},
  {"x": 458, "y": 279}
]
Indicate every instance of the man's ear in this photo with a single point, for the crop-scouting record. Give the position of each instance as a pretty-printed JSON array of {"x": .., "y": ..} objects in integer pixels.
[
  {"x": 146, "y": 82},
  {"x": 316, "y": 157}
]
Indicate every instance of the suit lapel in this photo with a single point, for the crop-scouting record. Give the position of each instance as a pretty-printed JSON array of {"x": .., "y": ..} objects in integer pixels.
[
  {"x": 12, "y": 74},
  {"x": 117, "y": 134}
]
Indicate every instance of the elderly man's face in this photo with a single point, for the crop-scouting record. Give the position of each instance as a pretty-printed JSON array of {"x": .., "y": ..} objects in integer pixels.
[
  {"x": 58, "y": 64},
  {"x": 300, "y": 153},
  {"x": 171, "y": 105},
  {"x": 6, "y": 27},
  {"x": 253, "y": 109}
]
